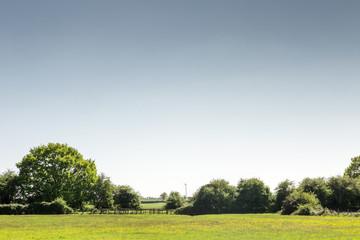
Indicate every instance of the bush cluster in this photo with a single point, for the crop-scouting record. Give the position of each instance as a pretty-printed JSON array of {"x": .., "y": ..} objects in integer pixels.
[
  {"x": 317, "y": 196},
  {"x": 175, "y": 200},
  {"x": 58, "y": 206},
  {"x": 12, "y": 209}
]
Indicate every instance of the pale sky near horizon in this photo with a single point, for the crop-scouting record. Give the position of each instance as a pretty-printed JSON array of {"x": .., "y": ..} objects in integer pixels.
[{"x": 160, "y": 93}]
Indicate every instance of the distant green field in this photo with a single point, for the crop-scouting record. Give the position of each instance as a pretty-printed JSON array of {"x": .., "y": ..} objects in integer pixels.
[
  {"x": 247, "y": 226},
  {"x": 152, "y": 205}
]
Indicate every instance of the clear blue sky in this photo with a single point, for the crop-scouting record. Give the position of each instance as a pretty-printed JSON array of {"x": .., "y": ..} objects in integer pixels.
[{"x": 160, "y": 93}]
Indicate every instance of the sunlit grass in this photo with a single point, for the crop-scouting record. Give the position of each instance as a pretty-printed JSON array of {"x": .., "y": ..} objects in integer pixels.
[
  {"x": 247, "y": 226},
  {"x": 153, "y": 205}
]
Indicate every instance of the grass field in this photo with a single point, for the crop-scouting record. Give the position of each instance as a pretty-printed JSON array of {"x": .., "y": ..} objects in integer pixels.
[
  {"x": 247, "y": 226},
  {"x": 153, "y": 205}
]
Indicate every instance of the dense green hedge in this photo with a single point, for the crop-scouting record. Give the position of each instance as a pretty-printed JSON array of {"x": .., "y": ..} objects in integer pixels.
[
  {"x": 58, "y": 206},
  {"x": 12, "y": 209}
]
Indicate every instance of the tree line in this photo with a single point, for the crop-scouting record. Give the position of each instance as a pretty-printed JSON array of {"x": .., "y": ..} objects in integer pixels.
[
  {"x": 55, "y": 178},
  {"x": 58, "y": 172}
]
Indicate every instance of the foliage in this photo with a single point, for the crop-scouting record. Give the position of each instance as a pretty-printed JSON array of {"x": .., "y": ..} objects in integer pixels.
[
  {"x": 8, "y": 187},
  {"x": 102, "y": 192},
  {"x": 318, "y": 186},
  {"x": 284, "y": 189},
  {"x": 353, "y": 171},
  {"x": 164, "y": 196},
  {"x": 58, "y": 206},
  {"x": 215, "y": 197},
  {"x": 126, "y": 197},
  {"x": 175, "y": 200},
  {"x": 56, "y": 170},
  {"x": 309, "y": 209},
  {"x": 253, "y": 196},
  {"x": 88, "y": 208},
  {"x": 186, "y": 210},
  {"x": 298, "y": 198},
  {"x": 12, "y": 209},
  {"x": 345, "y": 193}
]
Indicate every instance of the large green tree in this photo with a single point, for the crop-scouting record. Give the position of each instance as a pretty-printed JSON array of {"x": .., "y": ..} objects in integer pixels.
[
  {"x": 253, "y": 196},
  {"x": 215, "y": 197},
  {"x": 56, "y": 170}
]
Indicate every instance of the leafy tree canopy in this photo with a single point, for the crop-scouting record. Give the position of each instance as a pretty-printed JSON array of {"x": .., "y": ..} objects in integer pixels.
[
  {"x": 284, "y": 189},
  {"x": 215, "y": 197},
  {"x": 175, "y": 200},
  {"x": 102, "y": 192},
  {"x": 353, "y": 170},
  {"x": 56, "y": 170},
  {"x": 126, "y": 197},
  {"x": 318, "y": 186},
  {"x": 253, "y": 196},
  {"x": 164, "y": 196},
  {"x": 345, "y": 193}
]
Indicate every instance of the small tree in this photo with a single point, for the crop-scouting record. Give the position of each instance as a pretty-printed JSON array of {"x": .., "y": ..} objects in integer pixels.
[
  {"x": 8, "y": 187},
  {"x": 164, "y": 196},
  {"x": 102, "y": 192},
  {"x": 175, "y": 200},
  {"x": 126, "y": 197},
  {"x": 284, "y": 189},
  {"x": 253, "y": 196}
]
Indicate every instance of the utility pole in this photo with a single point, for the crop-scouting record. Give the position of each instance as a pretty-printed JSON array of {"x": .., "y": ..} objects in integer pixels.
[{"x": 185, "y": 190}]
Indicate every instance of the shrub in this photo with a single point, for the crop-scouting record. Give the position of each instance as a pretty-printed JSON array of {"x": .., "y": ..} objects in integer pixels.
[
  {"x": 292, "y": 203},
  {"x": 38, "y": 208},
  {"x": 12, "y": 209},
  {"x": 88, "y": 208},
  {"x": 58, "y": 206},
  {"x": 309, "y": 209},
  {"x": 126, "y": 197},
  {"x": 186, "y": 210},
  {"x": 174, "y": 201}
]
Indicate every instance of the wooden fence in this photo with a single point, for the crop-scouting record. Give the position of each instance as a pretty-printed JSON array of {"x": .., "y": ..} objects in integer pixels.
[{"x": 133, "y": 211}]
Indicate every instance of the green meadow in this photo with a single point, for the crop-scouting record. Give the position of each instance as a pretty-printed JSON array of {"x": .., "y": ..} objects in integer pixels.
[
  {"x": 151, "y": 205},
  {"x": 231, "y": 226}
]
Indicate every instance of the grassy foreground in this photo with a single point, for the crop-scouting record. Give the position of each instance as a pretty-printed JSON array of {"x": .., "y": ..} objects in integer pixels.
[{"x": 247, "y": 226}]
